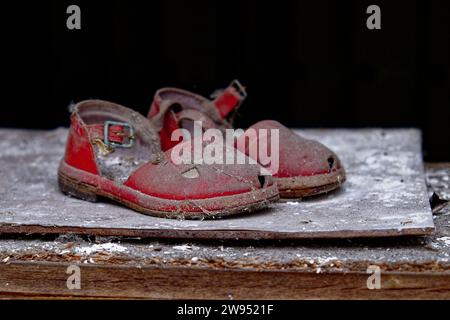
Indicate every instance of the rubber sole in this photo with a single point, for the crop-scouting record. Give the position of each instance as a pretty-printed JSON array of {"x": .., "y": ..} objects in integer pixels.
[
  {"x": 301, "y": 187},
  {"x": 230, "y": 205}
]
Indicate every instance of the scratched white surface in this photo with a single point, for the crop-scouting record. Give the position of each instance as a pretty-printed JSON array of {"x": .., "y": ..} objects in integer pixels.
[{"x": 385, "y": 193}]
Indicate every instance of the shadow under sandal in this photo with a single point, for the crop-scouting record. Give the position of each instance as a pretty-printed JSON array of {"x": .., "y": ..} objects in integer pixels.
[{"x": 114, "y": 152}]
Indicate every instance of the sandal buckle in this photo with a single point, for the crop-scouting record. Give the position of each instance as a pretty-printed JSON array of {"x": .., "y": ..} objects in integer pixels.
[
  {"x": 239, "y": 88},
  {"x": 112, "y": 144}
]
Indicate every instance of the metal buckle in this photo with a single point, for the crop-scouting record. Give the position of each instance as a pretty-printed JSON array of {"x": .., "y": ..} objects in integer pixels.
[
  {"x": 239, "y": 88},
  {"x": 108, "y": 143}
]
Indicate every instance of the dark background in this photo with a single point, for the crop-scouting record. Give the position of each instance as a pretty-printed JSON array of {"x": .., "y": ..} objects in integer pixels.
[{"x": 305, "y": 63}]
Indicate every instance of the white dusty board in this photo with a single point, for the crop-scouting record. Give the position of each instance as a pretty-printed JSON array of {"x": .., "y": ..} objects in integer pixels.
[{"x": 384, "y": 195}]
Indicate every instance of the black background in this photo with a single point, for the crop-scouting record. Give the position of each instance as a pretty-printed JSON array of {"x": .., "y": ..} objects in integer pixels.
[{"x": 305, "y": 63}]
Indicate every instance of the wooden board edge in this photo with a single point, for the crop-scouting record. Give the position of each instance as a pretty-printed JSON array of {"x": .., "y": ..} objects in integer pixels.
[{"x": 30, "y": 280}]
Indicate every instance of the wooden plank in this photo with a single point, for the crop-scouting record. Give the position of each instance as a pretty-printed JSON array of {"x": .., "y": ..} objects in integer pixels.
[
  {"x": 160, "y": 283},
  {"x": 385, "y": 195}
]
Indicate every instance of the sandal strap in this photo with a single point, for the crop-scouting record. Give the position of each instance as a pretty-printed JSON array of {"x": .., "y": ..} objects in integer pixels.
[
  {"x": 230, "y": 98},
  {"x": 215, "y": 113},
  {"x": 218, "y": 110}
]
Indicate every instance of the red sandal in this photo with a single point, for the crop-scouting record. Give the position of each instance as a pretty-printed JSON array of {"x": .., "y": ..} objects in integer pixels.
[
  {"x": 114, "y": 152},
  {"x": 306, "y": 167}
]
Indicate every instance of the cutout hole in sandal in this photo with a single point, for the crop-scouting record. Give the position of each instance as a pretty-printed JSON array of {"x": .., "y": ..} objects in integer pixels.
[
  {"x": 176, "y": 107},
  {"x": 331, "y": 162},
  {"x": 262, "y": 180},
  {"x": 191, "y": 173}
]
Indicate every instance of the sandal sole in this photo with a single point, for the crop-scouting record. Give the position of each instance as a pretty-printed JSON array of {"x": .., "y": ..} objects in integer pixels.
[
  {"x": 70, "y": 183},
  {"x": 301, "y": 187}
]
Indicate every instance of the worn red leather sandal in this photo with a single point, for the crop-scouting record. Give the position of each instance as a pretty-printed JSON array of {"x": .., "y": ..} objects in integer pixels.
[
  {"x": 306, "y": 167},
  {"x": 114, "y": 152}
]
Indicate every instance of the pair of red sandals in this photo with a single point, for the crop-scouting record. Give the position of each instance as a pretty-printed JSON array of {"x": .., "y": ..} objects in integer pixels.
[{"x": 117, "y": 153}]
